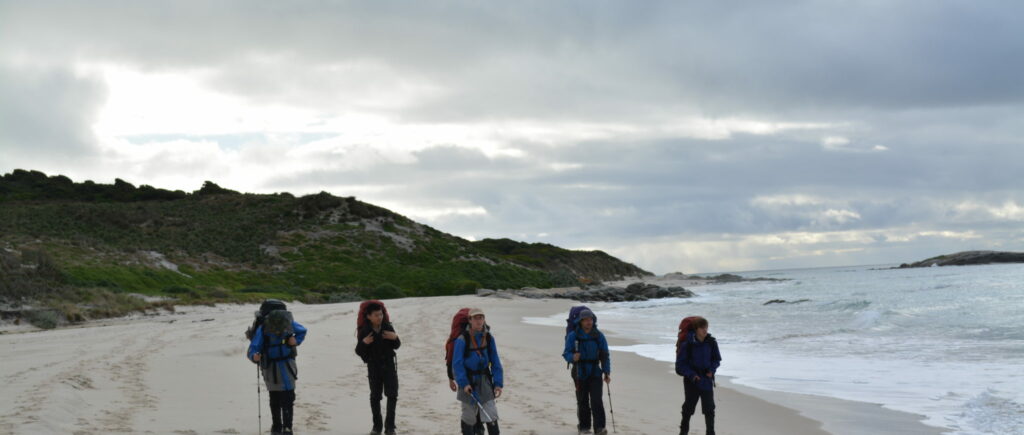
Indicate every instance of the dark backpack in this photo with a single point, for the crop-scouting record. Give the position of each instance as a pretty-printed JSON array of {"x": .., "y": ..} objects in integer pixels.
[
  {"x": 265, "y": 308},
  {"x": 570, "y": 325},
  {"x": 574, "y": 314}
]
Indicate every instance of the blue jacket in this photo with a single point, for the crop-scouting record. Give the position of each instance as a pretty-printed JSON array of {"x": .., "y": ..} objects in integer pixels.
[
  {"x": 593, "y": 348},
  {"x": 696, "y": 358},
  {"x": 476, "y": 361},
  {"x": 277, "y": 352}
]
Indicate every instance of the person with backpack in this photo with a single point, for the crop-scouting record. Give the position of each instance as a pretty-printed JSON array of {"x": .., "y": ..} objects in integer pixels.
[
  {"x": 587, "y": 350},
  {"x": 376, "y": 344},
  {"x": 478, "y": 374},
  {"x": 697, "y": 359},
  {"x": 273, "y": 346}
]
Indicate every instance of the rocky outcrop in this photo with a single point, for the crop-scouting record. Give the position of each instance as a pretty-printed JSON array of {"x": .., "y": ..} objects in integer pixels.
[
  {"x": 638, "y": 291},
  {"x": 968, "y": 258},
  {"x": 783, "y": 301}
]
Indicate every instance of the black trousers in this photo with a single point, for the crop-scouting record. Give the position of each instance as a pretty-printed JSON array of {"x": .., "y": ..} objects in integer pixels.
[
  {"x": 693, "y": 394},
  {"x": 281, "y": 408},
  {"x": 589, "y": 402},
  {"x": 383, "y": 377}
]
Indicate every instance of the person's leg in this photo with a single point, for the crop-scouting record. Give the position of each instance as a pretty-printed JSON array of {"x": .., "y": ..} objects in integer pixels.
[
  {"x": 597, "y": 402},
  {"x": 692, "y": 394},
  {"x": 391, "y": 391},
  {"x": 287, "y": 410},
  {"x": 373, "y": 374},
  {"x": 583, "y": 405},
  {"x": 275, "y": 411},
  {"x": 468, "y": 418},
  {"x": 707, "y": 407}
]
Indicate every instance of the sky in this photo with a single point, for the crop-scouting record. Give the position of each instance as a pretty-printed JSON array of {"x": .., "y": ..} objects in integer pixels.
[{"x": 690, "y": 136}]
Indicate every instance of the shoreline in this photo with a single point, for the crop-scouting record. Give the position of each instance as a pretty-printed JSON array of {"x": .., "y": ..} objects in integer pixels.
[
  {"x": 830, "y": 415},
  {"x": 185, "y": 373}
]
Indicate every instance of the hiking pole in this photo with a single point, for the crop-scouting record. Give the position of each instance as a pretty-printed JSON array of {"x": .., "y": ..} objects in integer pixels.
[
  {"x": 481, "y": 406},
  {"x": 259, "y": 409},
  {"x": 610, "y": 407}
]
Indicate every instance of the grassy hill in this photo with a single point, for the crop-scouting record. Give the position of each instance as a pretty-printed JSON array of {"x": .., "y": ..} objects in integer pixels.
[{"x": 83, "y": 250}]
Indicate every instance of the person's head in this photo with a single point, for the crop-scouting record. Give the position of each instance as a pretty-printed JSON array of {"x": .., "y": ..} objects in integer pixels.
[
  {"x": 700, "y": 327},
  {"x": 587, "y": 319},
  {"x": 476, "y": 319},
  {"x": 375, "y": 314}
]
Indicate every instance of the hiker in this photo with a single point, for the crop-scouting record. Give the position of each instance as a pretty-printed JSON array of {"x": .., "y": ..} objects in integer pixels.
[
  {"x": 478, "y": 374},
  {"x": 273, "y": 347},
  {"x": 376, "y": 344},
  {"x": 585, "y": 348},
  {"x": 697, "y": 359}
]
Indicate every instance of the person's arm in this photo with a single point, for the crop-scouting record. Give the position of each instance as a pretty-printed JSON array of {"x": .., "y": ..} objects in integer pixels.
[
  {"x": 362, "y": 349},
  {"x": 458, "y": 363},
  {"x": 568, "y": 352},
  {"x": 496, "y": 370},
  {"x": 396, "y": 342},
  {"x": 255, "y": 344},
  {"x": 606, "y": 362},
  {"x": 300, "y": 333},
  {"x": 682, "y": 365},
  {"x": 716, "y": 357}
]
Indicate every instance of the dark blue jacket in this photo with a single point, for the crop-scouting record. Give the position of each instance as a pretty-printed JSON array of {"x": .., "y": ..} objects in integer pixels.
[
  {"x": 476, "y": 361},
  {"x": 593, "y": 348},
  {"x": 696, "y": 358},
  {"x": 277, "y": 352}
]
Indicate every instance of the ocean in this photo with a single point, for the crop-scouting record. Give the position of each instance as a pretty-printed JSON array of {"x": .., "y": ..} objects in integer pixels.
[{"x": 943, "y": 342}]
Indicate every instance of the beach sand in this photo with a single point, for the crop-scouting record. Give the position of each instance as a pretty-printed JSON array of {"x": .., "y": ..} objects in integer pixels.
[{"x": 185, "y": 373}]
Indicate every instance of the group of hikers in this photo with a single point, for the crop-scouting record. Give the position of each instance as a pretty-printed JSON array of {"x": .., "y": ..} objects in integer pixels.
[{"x": 475, "y": 372}]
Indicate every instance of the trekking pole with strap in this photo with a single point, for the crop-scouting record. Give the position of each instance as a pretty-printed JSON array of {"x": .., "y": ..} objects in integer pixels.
[
  {"x": 476, "y": 399},
  {"x": 610, "y": 407},
  {"x": 259, "y": 409}
]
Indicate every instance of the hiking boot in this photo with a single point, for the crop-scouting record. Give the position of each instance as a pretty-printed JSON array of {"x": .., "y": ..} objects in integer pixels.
[
  {"x": 492, "y": 428},
  {"x": 375, "y": 431},
  {"x": 585, "y": 431},
  {"x": 389, "y": 432},
  {"x": 601, "y": 432}
]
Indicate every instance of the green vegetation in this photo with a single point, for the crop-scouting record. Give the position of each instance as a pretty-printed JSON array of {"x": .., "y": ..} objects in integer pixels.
[{"x": 86, "y": 250}]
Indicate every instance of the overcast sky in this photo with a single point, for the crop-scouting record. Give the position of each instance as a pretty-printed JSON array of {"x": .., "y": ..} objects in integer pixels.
[{"x": 692, "y": 136}]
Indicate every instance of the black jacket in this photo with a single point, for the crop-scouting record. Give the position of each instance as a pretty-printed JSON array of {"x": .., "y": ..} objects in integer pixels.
[{"x": 380, "y": 350}]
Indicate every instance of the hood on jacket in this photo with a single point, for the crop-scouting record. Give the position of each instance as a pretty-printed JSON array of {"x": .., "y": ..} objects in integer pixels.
[{"x": 584, "y": 314}]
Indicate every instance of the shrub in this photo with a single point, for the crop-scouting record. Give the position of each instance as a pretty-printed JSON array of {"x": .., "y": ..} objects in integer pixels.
[
  {"x": 45, "y": 319},
  {"x": 387, "y": 291},
  {"x": 465, "y": 286}
]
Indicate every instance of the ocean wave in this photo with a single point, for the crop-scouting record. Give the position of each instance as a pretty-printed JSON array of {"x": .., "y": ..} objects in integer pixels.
[
  {"x": 846, "y": 305},
  {"x": 989, "y": 412}
]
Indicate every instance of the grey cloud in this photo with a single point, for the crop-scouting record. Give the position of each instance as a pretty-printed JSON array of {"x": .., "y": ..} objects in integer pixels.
[
  {"x": 575, "y": 59},
  {"x": 46, "y": 115}
]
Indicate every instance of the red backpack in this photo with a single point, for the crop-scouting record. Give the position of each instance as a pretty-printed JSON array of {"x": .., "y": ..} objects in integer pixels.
[
  {"x": 459, "y": 323},
  {"x": 685, "y": 327},
  {"x": 361, "y": 319}
]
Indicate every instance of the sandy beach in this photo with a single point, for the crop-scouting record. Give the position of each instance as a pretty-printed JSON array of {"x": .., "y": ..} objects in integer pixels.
[{"x": 185, "y": 373}]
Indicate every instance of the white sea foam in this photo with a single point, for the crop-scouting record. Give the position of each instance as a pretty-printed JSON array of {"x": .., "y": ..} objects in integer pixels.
[{"x": 946, "y": 343}]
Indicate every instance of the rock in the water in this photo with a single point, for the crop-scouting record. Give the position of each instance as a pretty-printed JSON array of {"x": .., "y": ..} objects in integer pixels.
[{"x": 968, "y": 258}]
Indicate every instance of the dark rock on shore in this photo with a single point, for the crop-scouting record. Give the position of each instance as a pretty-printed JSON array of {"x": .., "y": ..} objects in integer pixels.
[
  {"x": 783, "y": 301},
  {"x": 728, "y": 277},
  {"x": 634, "y": 292},
  {"x": 968, "y": 258}
]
